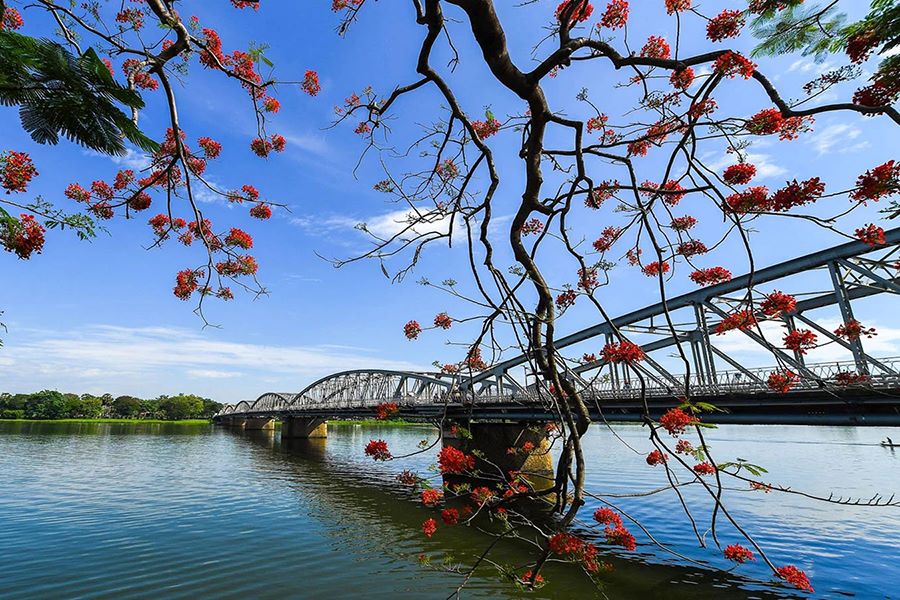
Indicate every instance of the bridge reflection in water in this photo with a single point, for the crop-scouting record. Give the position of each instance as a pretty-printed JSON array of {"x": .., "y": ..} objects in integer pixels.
[{"x": 862, "y": 390}]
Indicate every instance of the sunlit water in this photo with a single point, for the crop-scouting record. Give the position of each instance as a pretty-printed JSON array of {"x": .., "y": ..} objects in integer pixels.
[{"x": 180, "y": 511}]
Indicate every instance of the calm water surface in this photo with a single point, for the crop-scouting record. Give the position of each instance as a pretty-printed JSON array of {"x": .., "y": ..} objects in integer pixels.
[{"x": 180, "y": 511}]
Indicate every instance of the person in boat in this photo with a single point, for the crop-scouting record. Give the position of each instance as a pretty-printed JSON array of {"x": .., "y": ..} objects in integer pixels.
[{"x": 889, "y": 442}]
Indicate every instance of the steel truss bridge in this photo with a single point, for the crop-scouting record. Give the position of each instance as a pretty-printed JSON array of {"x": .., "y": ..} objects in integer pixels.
[{"x": 822, "y": 280}]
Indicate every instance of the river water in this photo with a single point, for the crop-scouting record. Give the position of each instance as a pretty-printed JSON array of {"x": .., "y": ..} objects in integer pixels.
[{"x": 195, "y": 511}]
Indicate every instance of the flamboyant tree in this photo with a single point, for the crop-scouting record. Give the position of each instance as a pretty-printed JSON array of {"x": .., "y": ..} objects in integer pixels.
[
  {"x": 639, "y": 168},
  {"x": 646, "y": 171}
]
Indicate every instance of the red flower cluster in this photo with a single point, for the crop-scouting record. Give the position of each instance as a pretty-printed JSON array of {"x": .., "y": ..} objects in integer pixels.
[
  {"x": 23, "y": 237},
  {"x": 620, "y": 536},
  {"x": 673, "y": 6},
  {"x": 770, "y": 120},
  {"x": 233, "y": 267},
  {"x": 261, "y": 147},
  {"x": 443, "y": 321},
  {"x": 531, "y": 226},
  {"x": 732, "y": 64},
  {"x": 607, "y": 238},
  {"x": 615, "y": 16},
  {"x": 622, "y": 352},
  {"x": 600, "y": 194},
  {"x": 682, "y": 78},
  {"x": 656, "y": 457},
  {"x": 429, "y": 527},
  {"x": 800, "y": 340},
  {"x": 692, "y": 248},
  {"x": 738, "y": 554},
  {"x": 378, "y": 450},
  {"x": 739, "y": 174},
  {"x": 261, "y": 211},
  {"x": 16, "y": 171},
  {"x": 239, "y": 238},
  {"x": 186, "y": 283},
  {"x": 11, "y": 19},
  {"x": 861, "y": 45},
  {"x": 474, "y": 360},
  {"x": 607, "y": 516},
  {"x": 482, "y": 495},
  {"x": 310, "y": 83},
  {"x": 656, "y": 47},
  {"x": 486, "y": 128},
  {"x": 408, "y": 477},
  {"x": 704, "y": 468},
  {"x": 727, "y": 24},
  {"x": 881, "y": 181},
  {"x": 450, "y": 516},
  {"x": 671, "y": 191},
  {"x": 653, "y": 269},
  {"x": 850, "y": 378},
  {"x": 853, "y": 330},
  {"x": 587, "y": 279},
  {"x": 675, "y": 421},
  {"x": 797, "y": 194},
  {"x": 782, "y": 381},
  {"x": 683, "y": 447},
  {"x": 133, "y": 16},
  {"x": 702, "y": 108},
  {"x": 412, "y": 330},
  {"x": 447, "y": 170},
  {"x": 386, "y": 410},
  {"x": 574, "y": 11},
  {"x": 528, "y": 575},
  {"x": 455, "y": 461},
  {"x": 338, "y": 5},
  {"x": 871, "y": 235},
  {"x": 753, "y": 199},
  {"x": 431, "y": 496},
  {"x": 135, "y": 72},
  {"x": 777, "y": 303},
  {"x": 565, "y": 544},
  {"x": 566, "y": 299},
  {"x": 742, "y": 320},
  {"x": 683, "y": 223},
  {"x": 795, "y": 577}
]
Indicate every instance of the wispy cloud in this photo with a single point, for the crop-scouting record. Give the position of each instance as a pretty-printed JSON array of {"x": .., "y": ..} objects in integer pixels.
[
  {"x": 826, "y": 138},
  {"x": 764, "y": 166}
]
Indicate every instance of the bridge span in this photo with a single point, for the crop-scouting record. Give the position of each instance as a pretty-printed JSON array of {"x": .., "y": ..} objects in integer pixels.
[{"x": 862, "y": 390}]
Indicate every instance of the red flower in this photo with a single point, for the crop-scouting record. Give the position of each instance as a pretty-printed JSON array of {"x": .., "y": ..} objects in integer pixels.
[
  {"x": 656, "y": 47},
  {"x": 673, "y": 6},
  {"x": 455, "y": 461},
  {"x": 615, "y": 16},
  {"x": 654, "y": 268},
  {"x": 692, "y": 248},
  {"x": 797, "y": 194},
  {"x": 853, "y": 330},
  {"x": 133, "y": 16},
  {"x": 531, "y": 226},
  {"x": 574, "y": 11},
  {"x": 565, "y": 544},
  {"x": 742, "y": 320},
  {"x": 261, "y": 147},
  {"x": 186, "y": 283},
  {"x": 871, "y": 235},
  {"x": 23, "y": 237},
  {"x": 486, "y": 128},
  {"x": 860, "y": 45},
  {"x": 528, "y": 575},
  {"x": 310, "y": 83},
  {"x": 656, "y": 457},
  {"x": 622, "y": 352},
  {"x": 378, "y": 450},
  {"x": 587, "y": 279},
  {"x": 386, "y": 410},
  {"x": 739, "y": 174},
  {"x": 683, "y": 447},
  {"x": 727, "y": 24},
  {"x": 239, "y": 238},
  {"x": 412, "y": 330},
  {"x": 211, "y": 147},
  {"x": 123, "y": 179},
  {"x": 682, "y": 78},
  {"x": 140, "y": 201},
  {"x": 408, "y": 478},
  {"x": 11, "y": 19},
  {"x": 135, "y": 72},
  {"x": 607, "y": 516},
  {"x": 261, "y": 211},
  {"x": 877, "y": 183},
  {"x": 338, "y": 5},
  {"x": 753, "y": 199},
  {"x": 704, "y": 468},
  {"x": 16, "y": 170},
  {"x": 429, "y": 527},
  {"x": 566, "y": 299},
  {"x": 450, "y": 516},
  {"x": 676, "y": 420},
  {"x": 738, "y": 554},
  {"x": 765, "y": 122},
  {"x": 795, "y": 577},
  {"x": 431, "y": 496},
  {"x": 732, "y": 64},
  {"x": 671, "y": 191},
  {"x": 600, "y": 194},
  {"x": 278, "y": 143},
  {"x": 482, "y": 495},
  {"x": 778, "y": 303},
  {"x": 850, "y": 378},
  {"x": 607, "y": 238},
  {"x": 710, "y": 276},
  {"x": 800, "y": 340},
  {"x": 782, "y": 381},
  {"x": 683, "y": 223},
  {"x": 620, "y": 536}
]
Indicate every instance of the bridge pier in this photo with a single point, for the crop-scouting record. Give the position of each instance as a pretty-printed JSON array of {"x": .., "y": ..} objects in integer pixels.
[
  {"x": 259, "y": 423},
  {"x": 303, "y": 428},
  {"x": 504, "y": 447}
]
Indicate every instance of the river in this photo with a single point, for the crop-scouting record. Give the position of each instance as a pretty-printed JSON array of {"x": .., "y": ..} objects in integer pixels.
[{"x": 93, "y": 510}]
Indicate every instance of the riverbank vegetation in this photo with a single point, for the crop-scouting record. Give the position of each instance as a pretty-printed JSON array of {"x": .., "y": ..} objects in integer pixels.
[{"x": 54, "y": 405}]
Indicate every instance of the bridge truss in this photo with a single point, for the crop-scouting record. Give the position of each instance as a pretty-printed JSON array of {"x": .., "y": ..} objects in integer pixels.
[{"x": 832, "y": 278}]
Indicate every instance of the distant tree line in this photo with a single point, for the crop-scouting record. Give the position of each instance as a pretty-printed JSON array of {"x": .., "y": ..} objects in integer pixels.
[{"x": 50, "y": 404}]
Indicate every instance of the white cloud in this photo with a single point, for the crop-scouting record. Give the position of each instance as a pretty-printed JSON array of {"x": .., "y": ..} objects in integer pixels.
[
  {"x": 764, "y": 167},
  {"x": 825, "y": 139},
  {"x": 132, "y": 159},
  {"x": 148, "y": 361}
]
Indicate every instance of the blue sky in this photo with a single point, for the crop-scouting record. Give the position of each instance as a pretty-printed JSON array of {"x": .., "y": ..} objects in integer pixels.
[{"x": 100, "y": 316}]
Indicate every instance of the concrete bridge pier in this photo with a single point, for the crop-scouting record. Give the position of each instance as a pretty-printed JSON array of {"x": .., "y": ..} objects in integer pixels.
[
  {"x": 233, "y": 422},
  {"x": 258, "y": 423},
  {"x": 303, "y": 428},
  {"x": 504, "y": 447}
]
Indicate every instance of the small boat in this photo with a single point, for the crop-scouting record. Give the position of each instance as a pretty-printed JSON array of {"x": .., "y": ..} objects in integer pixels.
[{"x": 889, "y": 443}]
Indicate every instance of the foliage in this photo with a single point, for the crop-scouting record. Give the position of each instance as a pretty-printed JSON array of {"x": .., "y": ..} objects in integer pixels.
[{"x": 50, "y": 404}]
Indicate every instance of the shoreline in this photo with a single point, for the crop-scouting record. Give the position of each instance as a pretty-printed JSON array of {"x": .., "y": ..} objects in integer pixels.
[{"x": 111, "y": 420}]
